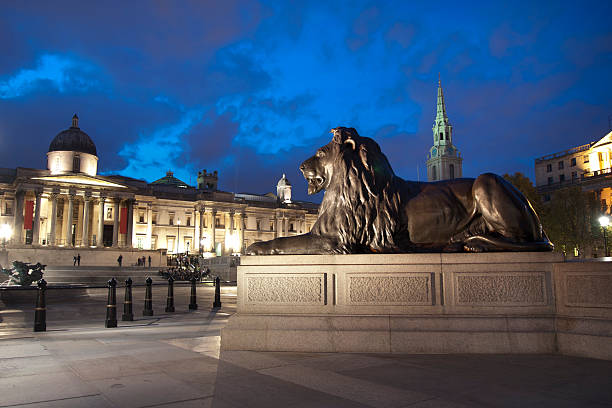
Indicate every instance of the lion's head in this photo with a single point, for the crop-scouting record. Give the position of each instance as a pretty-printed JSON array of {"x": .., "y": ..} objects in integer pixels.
[
  {"x": 346, "y": 153},
  {"x": 358, "y": 180}
]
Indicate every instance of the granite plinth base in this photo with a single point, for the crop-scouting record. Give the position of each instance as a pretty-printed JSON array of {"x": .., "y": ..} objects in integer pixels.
[{"x": 423, "y": 303}]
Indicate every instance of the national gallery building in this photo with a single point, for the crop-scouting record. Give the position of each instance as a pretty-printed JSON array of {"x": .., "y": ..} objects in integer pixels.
[{"x": 69, "y": 206}]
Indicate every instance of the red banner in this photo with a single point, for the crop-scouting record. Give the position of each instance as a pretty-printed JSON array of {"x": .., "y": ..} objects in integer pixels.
[
  {"x": 123, "y": 220},
  {"x": 29, "y": 212}
]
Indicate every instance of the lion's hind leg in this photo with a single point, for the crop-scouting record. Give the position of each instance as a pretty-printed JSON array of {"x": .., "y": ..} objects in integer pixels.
[{"x": 505, "y": 210}]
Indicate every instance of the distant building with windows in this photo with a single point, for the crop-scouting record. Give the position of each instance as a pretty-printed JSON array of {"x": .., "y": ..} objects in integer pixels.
[
  {"x": 589, "y": 166},
  {"x": 444, "y": 161},
  {"x": 69, "y": 206}
]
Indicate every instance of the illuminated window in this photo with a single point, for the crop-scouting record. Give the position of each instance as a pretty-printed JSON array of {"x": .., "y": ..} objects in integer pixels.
[
  {"x": 8, "y": 207},
  {"x": 109, "y": 213}
]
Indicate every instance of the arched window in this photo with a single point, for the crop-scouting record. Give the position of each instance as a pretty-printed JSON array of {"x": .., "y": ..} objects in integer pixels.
[
  {"x": 452, "y": 171},
  {"x": 434, "y": 175},
  {"x": 76, "y": 164},
  {"x": 441, "y": 136}
]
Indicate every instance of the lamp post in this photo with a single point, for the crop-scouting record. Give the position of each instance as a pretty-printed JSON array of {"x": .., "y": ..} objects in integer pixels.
[
  {"x": 178, "y": 235},
  {"x": 604, "y": 221}
]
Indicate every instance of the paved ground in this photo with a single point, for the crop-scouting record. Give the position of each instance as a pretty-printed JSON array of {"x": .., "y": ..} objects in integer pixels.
[{"x": 174, "y": 361}]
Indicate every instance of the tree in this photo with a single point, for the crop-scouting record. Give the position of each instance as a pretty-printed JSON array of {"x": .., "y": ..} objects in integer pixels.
[{"x": 570, "y": 219}]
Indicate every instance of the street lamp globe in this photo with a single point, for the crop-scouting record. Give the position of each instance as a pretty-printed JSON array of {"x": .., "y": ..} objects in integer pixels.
[{"x": 604, "y": 221}]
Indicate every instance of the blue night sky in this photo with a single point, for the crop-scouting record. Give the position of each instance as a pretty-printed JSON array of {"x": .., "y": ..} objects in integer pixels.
[{"x": 252, "y": 88}]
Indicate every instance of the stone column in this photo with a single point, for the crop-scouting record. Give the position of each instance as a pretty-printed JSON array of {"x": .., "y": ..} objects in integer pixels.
[
  {"x": 18, "y": 223},
  {"x": 100, "y": 240},
  {"x": 70, "y": 211},
  {"x": 117, "y": 202},
  {"x": 241, "y": 232},
  {"x": 86, "y": 202},
  {"x": 149, "y": 224},
  {"x": 130, "y": 223},
  {"x": 53, "y": 219},
  {"x": 275, "y": 226},
  {"x": 232, "y": 225},
  {"x": 36, "y": 226},
  {"x": 214, "y": 228},
  {"x": 201, "y": 232}
]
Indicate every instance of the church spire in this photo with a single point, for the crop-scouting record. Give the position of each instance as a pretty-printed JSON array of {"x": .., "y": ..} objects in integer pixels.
[
  {"x": 444, "y": 160},
  {"x": 441, "y": 112}
]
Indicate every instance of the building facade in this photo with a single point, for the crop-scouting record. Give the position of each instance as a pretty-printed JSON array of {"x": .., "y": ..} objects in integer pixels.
[
  {"x": 589, "y": 166},
  {"x": 444, "y": 162},
  {"x": 68, "y": 205}
]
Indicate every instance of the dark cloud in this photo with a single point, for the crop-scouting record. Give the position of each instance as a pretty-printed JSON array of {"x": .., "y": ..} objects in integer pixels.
[{"x": 252, "y": 88}]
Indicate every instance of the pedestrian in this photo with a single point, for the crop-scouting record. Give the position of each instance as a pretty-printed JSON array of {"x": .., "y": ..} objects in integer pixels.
[
  {"x": 149, "y": 261},
  {"x": 138, "y": 261},
  {"x": 79, "y": 259},
  {"x": 74, "y": 261},
  {"x": 144, "y": 262},
  {"x": 119, "y": 260}
]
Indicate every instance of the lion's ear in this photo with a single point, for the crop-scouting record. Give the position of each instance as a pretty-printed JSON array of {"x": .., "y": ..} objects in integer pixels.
[
  {"x": 363, "y": 155},
  {"x": 337, "y": 132}
]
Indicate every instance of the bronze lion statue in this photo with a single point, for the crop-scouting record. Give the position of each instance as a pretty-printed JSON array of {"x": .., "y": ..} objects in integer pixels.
[{"x": 368, "y": 209}]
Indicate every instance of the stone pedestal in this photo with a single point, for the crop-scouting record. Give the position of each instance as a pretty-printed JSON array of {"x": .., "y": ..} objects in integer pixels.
[{"x": 418, "y": 303}]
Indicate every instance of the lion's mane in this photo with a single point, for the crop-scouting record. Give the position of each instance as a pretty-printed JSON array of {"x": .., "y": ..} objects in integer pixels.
[{"x": 361, "y": 204}]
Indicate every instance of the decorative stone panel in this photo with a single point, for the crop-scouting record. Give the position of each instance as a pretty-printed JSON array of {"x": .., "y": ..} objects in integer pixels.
[
  {"x": 399, "y": 289},
  {"x": 585, "y": 290},
  {"x": 500, "y": 289},
  {"x": 304, "y": 289}
]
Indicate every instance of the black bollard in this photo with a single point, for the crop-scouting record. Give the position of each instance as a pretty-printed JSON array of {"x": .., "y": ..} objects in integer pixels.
[
  {"x": 192, "y": 299},
  {"x": 40, "y": 315},
  {"x": 148, "y": 306},
  {"x": 111, "y": 304},
  {"x": 128, "y": 315},
  {"x": 170, "y": 301},
  {"x": 217, "y": 302}
]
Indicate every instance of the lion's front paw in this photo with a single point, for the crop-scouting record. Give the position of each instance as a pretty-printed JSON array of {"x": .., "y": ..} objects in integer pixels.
[{"x": 258, "y": 248}]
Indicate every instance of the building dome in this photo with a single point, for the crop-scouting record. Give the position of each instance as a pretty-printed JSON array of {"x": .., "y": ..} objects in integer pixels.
[
  {"x": 283, "y": 182},
  {"x": 73, "y": 139}
]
